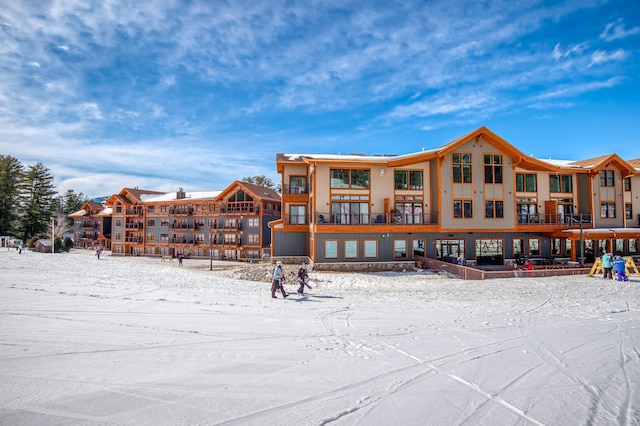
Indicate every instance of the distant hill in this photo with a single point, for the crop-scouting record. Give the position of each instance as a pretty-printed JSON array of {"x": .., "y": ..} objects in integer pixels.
[{"x": 100, "y": 199}]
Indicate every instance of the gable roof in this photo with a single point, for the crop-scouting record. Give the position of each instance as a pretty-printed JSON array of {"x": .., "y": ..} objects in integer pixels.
[
  {"x": 257, "y": 191},
  {"x": 519, "y": 158},
  {"x": 596, "y": 164},
  {"x": 134, "y": 193}
]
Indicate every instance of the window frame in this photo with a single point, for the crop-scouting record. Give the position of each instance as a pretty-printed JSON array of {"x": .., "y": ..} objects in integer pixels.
[{"x": 463, "y": 162}]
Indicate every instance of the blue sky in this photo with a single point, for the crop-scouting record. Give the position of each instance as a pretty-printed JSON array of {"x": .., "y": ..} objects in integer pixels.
[{"x": 196, "y": 94}]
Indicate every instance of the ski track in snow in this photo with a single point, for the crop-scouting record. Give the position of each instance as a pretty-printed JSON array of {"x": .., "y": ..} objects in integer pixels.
[{"x": 133, "y": 341}]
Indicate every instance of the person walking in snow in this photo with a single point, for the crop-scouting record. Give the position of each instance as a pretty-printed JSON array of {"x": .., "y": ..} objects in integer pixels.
[
  {"x": 278, "y": 277},
  {"x": 302, "y": 276},
  {"x": 180, "y": 257},
  {"x": 607, "y": 265}
]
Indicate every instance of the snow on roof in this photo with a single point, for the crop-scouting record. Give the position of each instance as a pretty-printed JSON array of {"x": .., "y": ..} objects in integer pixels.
[
  {"x": 173, "y": 196},
  {"x": 559, "y": 163},
  {"x": 355, "y": 157}
]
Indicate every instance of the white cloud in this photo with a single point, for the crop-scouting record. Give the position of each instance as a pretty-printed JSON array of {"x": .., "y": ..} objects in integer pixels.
[
  {"x": 600, "y": 56},
  {"x": 616, "y": 31}
]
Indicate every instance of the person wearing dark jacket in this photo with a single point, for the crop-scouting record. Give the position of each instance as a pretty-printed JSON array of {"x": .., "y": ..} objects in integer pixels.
[{"x": 302, "y": 276}]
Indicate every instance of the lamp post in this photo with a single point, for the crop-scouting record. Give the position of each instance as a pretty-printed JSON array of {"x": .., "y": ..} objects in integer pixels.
[
  {"x": 581, "y": 240},
  {"x": 210, "y": 251},
  {"x": 53, "y": 235}
]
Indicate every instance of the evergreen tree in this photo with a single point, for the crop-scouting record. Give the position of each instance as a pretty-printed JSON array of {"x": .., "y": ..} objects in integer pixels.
[
  {"x": 70, "y": 202},
  {"x": 37, "y": 202},
  {"x": 262, "y": 180},
  {"x": 11, "y": 171}
]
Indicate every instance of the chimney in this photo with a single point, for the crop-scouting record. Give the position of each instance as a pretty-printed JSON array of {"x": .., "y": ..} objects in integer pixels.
[{"x": 180, "y": 194}]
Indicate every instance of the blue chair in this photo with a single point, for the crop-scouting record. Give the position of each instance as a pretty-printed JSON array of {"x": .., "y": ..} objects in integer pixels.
[{"x": 379, "y": 219}]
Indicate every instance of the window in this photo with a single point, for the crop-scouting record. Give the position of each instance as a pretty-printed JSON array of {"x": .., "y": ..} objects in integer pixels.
[
  {"x": 349, "y": 212},
  {"x": 410, "y": 208},
  {"x": 198, "y": 237},
  {"x": 253, "y": 238},
  {"x": 118, "y": 209},
  {"x": 518, "y": 245},
  {"x": 534, "y": 247},
  {"x": 619, "y": 246},
  {"x": 527, "y": 210},
  {"x": 151, "y": 209},
  {"x": 560, "y": 183},
  {"x": 492, "y": 168},
  {"x": 151, "y": 236},
  {"x": 526, "y": 182},
  {"x": 370, "y": 249},
  {"x": 418, "y": 248},
  {"x": 607, "y": 178},
  {"x": 633, "y": 246},
  {"x": 449, "y": 248},
  {"x": 567, "y": 247},
  {"x": 627, "y": 184},
  {"x": 627, "y": 211},
  {"x": 164, "y": 237},
  {"x": 461, "y": 168},
  {"x": 556, "y": 248},
  {"x": 297, "y": 215},
  {"x": 253, "y": 222},
  {"x": 118, "y": 222},
  {"x": 351, "y": 249},
  {"x": 401, "y": 179},
  {"x": 354, "y": 179},
  {"x": 331, "y": 249},
  {"x": 151, "y": 222},
  {"x": 608, "y": 210},
  {"x": 297, "y": 184},
  {"x": 164, "y": 223},
  {"x": 400, "y": 249},
  {"x": 462, "y": 209},
  {"x": 493, "y": 209}
]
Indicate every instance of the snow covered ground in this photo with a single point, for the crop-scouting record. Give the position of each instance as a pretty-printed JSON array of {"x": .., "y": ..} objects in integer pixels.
[{"x": 135, "y": 341}]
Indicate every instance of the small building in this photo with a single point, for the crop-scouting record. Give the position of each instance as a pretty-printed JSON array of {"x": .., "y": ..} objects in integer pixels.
[{"x": 43, "y": 246}]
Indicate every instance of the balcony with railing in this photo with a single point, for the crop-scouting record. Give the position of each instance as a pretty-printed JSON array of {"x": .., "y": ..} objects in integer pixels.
[
  {"x": 296, "y": 189},
  {"x": 183, "y": 226},
  {"x": 376, "y": 219},
  {"x": 181, "y": 240},
  {"x": 134, "y": 225},
  {"x": 564, "y": 220},
  {"x": 181, "y": 211},
  {"x": 135, "y": 211}
]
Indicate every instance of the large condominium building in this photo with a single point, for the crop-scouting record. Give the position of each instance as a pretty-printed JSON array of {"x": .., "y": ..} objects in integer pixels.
[
  {"x": 228, "y": 224},
  {"x": 478, "y": 196},
  {"x": 92, "y": 226}
]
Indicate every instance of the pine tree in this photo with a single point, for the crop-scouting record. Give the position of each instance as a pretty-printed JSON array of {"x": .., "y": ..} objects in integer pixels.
[
  {"x": 11, "y": 172},
  {"x": 37, "y": 202},
  {"x": 69, "y": 202}
]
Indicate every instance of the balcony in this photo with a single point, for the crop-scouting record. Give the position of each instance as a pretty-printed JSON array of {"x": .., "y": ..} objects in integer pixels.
[
  {"x": 568, "y": 220},
  {"x": 181, "y": 211},
  {"x": 181, "y": 241},
  {"x": 296, "y": 189},
  {"x": 240, "y": 208},
  {"x": 182, "y": 226},
  {"x": 376, "y": 219},
  {"x": 135, "y": 225}
]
